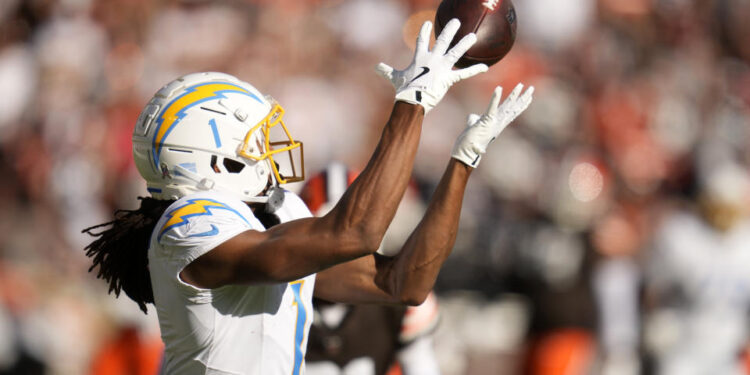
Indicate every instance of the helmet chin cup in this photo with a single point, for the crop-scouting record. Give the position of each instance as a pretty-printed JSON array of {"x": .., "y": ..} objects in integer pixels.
[{"x": 275, "y": 199}]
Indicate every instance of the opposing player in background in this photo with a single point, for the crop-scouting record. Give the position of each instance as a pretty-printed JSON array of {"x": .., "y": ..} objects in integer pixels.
[
  {"x": 697, "y": 282},
  {"x": 230, "y": 259},
  {"x": 369, "y": 339}
]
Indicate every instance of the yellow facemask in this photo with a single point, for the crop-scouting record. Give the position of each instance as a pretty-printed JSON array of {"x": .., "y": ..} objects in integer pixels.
[{"x": 270, "y": 149}]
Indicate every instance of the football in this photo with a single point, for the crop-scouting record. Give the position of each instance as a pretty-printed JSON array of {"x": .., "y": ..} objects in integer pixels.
[{"x": 494, "y": 22}]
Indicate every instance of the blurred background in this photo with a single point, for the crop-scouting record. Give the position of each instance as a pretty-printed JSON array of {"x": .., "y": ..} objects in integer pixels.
[{"x": 605, "y": 232}]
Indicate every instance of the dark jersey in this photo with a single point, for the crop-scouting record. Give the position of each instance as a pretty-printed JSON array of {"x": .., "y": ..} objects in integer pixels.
[{"x": 369, "y": 333}]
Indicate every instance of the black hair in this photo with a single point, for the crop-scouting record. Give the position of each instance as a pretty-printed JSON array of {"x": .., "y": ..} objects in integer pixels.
[{"x": 121, "y": 251}]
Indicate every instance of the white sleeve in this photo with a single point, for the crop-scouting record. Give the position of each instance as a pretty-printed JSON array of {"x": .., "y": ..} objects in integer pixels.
[
  {"x": 420, "y": 320},
  {"x": 293, "y": 208},
  {"x": 616, "y": 290},
  {"x": 192, "y": 227},
  {"x": 418, "y": 358}
]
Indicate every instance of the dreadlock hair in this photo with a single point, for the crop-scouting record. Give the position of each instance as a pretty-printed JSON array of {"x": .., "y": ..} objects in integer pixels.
[{"x": 121, "y": 251}]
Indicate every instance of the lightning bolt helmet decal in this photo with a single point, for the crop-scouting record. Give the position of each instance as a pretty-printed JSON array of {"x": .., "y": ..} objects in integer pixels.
[
  {"x": 211, "y": 131},
  {"x": 175, "y": 111}
]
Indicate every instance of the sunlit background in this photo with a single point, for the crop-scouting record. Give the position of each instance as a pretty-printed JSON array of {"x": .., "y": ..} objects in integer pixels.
[{"x": 604, "y": 233}]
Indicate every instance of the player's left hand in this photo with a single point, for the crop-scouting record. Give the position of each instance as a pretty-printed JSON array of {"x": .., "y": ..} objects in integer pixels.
[{"x": 481, "y": 130}]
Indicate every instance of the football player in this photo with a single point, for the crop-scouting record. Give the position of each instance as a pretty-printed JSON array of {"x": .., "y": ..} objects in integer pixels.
[
  {"x": 696, "y": 283},
  {"x": 229, "y": 259}
]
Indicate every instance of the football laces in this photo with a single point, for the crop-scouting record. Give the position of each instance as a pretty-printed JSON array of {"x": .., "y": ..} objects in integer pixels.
[{"x": 490, "y": 4}]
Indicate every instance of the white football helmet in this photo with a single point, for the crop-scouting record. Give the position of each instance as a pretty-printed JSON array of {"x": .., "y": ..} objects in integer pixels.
[{"x": 211, "y": 131}]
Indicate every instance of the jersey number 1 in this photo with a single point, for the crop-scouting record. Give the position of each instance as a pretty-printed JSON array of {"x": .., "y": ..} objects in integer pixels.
[{"x": 299, "y": 329}]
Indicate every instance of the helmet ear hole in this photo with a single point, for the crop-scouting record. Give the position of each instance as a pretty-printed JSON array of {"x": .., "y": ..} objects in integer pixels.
[
  {"x": 214, "y": 166},
  {"x": 233, "y": 166}
]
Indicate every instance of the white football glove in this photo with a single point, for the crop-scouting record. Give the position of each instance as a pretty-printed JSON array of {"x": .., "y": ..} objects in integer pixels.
[
  {"x": 481, "y": 130},
  {"x": 431, "y": 73}
]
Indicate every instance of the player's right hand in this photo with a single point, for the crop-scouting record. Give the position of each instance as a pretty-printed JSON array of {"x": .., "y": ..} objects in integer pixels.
[
  {"x": 481, "y": 130},
  {"x": 431, "y": 73}
]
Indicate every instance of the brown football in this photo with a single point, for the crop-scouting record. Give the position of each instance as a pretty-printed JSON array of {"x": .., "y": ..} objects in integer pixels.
[{"x": 494, "y": 22}]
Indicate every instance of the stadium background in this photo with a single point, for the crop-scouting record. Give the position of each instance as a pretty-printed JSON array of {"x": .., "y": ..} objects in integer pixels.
[{"x": 638, "y": 103}]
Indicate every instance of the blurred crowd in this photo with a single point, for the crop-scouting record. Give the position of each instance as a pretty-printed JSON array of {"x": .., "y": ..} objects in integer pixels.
[{"x": 605, "y": 232}]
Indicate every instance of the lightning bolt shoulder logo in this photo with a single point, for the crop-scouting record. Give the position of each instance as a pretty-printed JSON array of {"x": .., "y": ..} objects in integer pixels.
[
  {"x": 195, "y": 207},
  {"x": 174, "y": 112}
]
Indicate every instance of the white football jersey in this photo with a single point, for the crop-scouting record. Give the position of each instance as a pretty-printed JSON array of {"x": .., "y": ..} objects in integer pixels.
[
  {"x": 235, "y": 329},
  {"x": 711, "y": 269}
]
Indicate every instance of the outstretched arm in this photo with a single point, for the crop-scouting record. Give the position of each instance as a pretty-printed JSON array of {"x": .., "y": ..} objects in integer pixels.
[
  {"x": 409, "y": 276},
  {"x": 356, "y": 225},
  {"x": 403, "y": 278}
]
